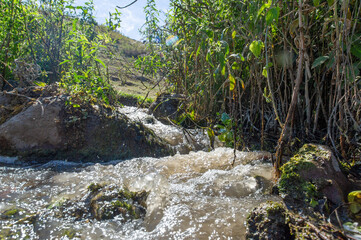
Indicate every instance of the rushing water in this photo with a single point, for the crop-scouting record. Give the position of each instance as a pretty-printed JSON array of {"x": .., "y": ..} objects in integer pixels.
[{"x": 192, "y": 196}]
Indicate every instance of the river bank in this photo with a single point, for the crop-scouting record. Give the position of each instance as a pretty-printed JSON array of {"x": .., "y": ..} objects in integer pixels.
[{"x": 191, "y": 191}]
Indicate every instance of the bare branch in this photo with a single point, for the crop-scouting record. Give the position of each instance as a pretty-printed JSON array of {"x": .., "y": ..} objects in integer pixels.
[{"x": 128, "y": 5}]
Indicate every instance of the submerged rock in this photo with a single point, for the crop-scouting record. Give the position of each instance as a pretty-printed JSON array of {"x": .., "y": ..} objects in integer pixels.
[
  {"x": 103, "y": 203},
  {"x": 50, "y": 128}
]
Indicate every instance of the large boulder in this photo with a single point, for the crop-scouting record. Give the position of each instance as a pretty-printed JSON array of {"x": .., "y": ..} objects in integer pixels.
[
  {"x": 49, "y": 128},
  {"x": 312, "y": 176}
]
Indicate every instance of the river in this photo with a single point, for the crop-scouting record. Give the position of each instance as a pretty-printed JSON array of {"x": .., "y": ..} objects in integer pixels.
[{"x": 195, "y": 194}]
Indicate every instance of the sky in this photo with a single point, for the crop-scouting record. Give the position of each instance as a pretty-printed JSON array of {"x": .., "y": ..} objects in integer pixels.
[{"x": 132, "y": 17}]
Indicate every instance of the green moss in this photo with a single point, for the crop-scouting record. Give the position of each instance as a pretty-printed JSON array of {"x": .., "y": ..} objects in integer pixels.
[
  {"x": 11, "y": 212},
  {"x": 127, "y": 194},
  {"x": 129, "y": 207},
  {"x": 291, "y": 183},
  {"x": 123, "y": 204},
  {"x": 309, "y": 152},
  {"x": 94, "y": 187},
  {"x": 273, "y": 207},
  {"x": 69, "y": 233},
  {"x": 6, "y": 234}
]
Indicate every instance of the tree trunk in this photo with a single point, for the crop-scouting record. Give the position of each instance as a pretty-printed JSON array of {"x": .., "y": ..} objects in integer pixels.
[{"x": 286, "y": 130}]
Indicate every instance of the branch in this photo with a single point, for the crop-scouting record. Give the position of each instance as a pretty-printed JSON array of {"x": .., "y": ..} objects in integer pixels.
[{"x": 127, "y": 5}]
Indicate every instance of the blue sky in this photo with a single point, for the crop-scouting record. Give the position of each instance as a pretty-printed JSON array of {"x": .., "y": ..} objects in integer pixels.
[{"x": 132, "y": 17}]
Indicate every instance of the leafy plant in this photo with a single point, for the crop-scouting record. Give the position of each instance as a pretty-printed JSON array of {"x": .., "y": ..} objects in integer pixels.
[
  {"x": 226, "y": 130},
  {"x": 62, "y": 39},
  {"x": 243, "y": 57}
]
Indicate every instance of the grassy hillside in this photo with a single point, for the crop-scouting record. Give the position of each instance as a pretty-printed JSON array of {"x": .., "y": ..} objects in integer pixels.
[{"x": 119, "y": 57}]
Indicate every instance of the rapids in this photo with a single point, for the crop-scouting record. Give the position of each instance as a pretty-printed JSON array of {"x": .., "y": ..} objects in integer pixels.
[{"x": 197, "y": 195}]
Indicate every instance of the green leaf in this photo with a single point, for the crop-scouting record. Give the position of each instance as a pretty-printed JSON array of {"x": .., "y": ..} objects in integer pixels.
[
  {"x": 232, "y": 82},
  {"x": 264, "y": 6},
  {"x": 319, "y": 61},
  {"x": 272, "y": 15},
  {"x": 198, "y": 50},
  {"x": 354, "y": 196},
  {"x": 210, "y": 133},
  {"x": 237, "y": 56},
  {"x": 256, "y": 48},
  {"x": 264, "y": 72},
  {"x": 208, "y": 58},
  {"x": 64, "y": 62},
  {"x": 225, "y": 117},
  {"x": 236, "y": 66},
  {"x": 100, "y": 61},
  {"x": 313, "y": 203},
  {"x": 316, "y": 3},
  {"x": 355, "y": 207},
  {"x": 266, "y": 95},
  {"x": 223, "y": 70},
  {"x": 40, "y": 84},
  {"x": 234, "y": 33},
  {"x": 242, "y": 84},
  {"x": 330, "y": 2},
  {"x": 356, "y": 50}
]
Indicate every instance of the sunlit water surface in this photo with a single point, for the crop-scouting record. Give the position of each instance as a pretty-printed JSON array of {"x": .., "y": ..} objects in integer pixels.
[{"x": 198, "y": 195}]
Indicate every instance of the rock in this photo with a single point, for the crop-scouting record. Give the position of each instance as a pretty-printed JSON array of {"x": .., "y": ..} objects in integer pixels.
[
  {"x": 49, "y": 128},
  {"x": 103, "y": 202},
  {"x": 108, "y": 204},
  {"x": 13, "y": 213},
  {"x": 312, "y": 175},
  {"x": 167, "y": 106},
  {"x": 273, "y": 221},
  {"x": 268, "y": 221}
]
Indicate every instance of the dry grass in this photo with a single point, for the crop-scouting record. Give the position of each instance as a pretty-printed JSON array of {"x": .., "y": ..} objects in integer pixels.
[{"x": 119, "y": 57}]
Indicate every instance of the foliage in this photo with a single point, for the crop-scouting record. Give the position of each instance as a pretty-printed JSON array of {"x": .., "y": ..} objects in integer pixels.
[
  {"x": 240, "y": 57},
  {"x": 226, "y": 130},
  {"x": 291, "y": 182},
  {"x": 354, "y": 199},
  {"x": 61, "y": 39}
]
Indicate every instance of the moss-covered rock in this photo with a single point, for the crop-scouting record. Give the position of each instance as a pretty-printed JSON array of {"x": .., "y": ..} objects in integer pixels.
[
  {"x": 268, "y": 221},
  {"x": 108, "y": 203},
  {"x": 310, "y": 176},
  {"x": 102, "y": 202},
  {"x": 274, "y": 221}
]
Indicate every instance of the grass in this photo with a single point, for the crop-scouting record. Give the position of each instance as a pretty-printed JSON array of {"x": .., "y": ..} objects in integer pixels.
[{"x": 119, "y": 57}]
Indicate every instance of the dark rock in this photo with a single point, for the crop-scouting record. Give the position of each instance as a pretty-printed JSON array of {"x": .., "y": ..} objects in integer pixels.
[
  {"x": 268, "y": 221},
  {"x": 49, "y": 128},
  {"x": 167, "y": 106}
]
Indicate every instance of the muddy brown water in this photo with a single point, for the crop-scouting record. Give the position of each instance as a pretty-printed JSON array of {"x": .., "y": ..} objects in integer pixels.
[{"x": 195, "y": 195}]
